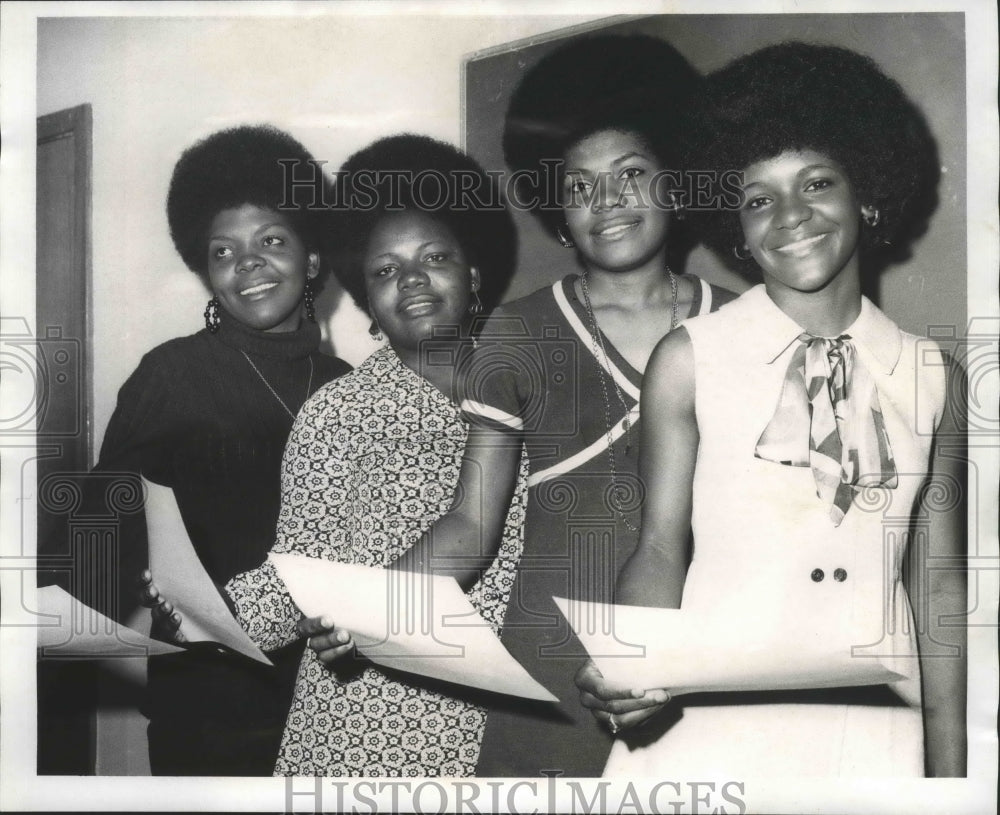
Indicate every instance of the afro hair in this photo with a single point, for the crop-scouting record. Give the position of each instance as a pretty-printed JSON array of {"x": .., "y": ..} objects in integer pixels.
[
  {"x": 413, "y": 172},
  {"x": 244, "y": 165},
  {"x": 799, "y": 96},
  {"x": 637, "y": 84}
]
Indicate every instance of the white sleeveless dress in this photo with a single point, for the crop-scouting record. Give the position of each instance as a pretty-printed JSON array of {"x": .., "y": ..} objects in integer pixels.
[{"x": 766, "y": 548}]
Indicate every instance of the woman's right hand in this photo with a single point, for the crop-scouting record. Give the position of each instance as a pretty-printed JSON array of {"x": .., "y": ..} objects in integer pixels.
[
  {"x": 167, "y": 620},
  {"x": 617, "y": 707},
  {"x": 329, "y": 642}
]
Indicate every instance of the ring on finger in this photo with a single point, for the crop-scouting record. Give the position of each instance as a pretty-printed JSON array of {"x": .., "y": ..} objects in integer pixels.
[{"x": 613, "y": 726}]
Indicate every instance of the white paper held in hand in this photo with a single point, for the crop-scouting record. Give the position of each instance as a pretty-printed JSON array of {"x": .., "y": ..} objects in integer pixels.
[
  {"x": 75, "y": 630},
  {"x": 420, "y": 624},
  {"x": 181, "y": 578},
  {"x": 688, "y": 651}
]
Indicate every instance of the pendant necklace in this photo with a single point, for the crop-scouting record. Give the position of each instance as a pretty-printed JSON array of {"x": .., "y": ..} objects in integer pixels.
[
  {"x": 598, "y": 340},
  {"x": 274, "y": 393}
]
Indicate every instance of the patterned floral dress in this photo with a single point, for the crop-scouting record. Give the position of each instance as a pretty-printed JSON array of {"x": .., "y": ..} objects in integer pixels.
[{"x": 372, "y": 462}]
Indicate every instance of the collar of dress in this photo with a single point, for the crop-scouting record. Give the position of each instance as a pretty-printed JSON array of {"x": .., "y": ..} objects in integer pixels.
[{"x": 877, "y": 338}]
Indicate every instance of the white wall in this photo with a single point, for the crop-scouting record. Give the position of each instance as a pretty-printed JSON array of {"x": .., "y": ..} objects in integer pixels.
[{"x": 336, "y": 82}]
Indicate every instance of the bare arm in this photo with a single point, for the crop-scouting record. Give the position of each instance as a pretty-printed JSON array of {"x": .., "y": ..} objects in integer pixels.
[
  {"x": 464, "y": 541},
  {"x": 942, "y": 592},
  {"x": 654, "y": 575}
]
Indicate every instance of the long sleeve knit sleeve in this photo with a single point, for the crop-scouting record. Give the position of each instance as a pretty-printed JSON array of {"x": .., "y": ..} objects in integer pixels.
[{"x": 136, "y": 435}]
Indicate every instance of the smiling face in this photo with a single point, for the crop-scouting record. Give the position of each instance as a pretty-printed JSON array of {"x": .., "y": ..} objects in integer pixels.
[
  {"x": 801, "y": 221},
  {"x": 417, "y": 278},
  {"x": 615, "y": 202},
  {"x": 258, "y": 266}
]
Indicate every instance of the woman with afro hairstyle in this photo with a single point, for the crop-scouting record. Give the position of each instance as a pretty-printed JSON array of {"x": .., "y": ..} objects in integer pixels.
[
  {"x": 373, "y": 459},
  {"x": 805, "y": 440},
  {"x": 561, "y": 369},
  {"x": 209, "y": 414}
]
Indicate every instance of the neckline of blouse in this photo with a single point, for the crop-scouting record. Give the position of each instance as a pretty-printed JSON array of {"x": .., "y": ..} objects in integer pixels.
[
  {"x": 289, "y": 345},
  {"x": 392, "y": 358}
]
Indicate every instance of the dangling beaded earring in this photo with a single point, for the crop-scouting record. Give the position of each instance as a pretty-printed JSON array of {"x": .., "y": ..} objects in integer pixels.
[
  {"x": 677, "y": 207},
  {"x": 476, "y": 306},
  {"x": 742, "y": 252},
  {"x": 375, "y": 332},
  {"x": 309, "y": 296},
  {"x": 563, "y": 239},
  {"x": 212, "y": 318}
]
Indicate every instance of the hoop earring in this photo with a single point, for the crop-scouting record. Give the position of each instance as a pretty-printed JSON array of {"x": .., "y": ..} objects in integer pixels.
[
  {"x": 742, "y": 253},
  {"x": 308, "y": 296},
  {"x": 565, "y": 241},
  {"x": 872, "y": 217},
  {"x": 375, "y": 332},
  {"x": 212, "y": 318},
  {"x": 476, "y": 306}
]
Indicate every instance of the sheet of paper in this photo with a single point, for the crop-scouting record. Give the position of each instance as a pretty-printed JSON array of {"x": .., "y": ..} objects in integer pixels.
[
  {"x": 69, "y": 628},
  {"x": 398, "y": 619},
  {"x": 687, "y": 651},
  {"x": 179, "y": 575}
]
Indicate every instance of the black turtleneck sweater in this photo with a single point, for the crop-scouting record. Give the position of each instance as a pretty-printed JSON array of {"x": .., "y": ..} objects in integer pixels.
[{"x": 197, "y": 417}]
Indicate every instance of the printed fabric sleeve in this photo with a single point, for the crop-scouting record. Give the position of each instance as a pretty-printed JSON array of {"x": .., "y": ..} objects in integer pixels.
[
  {"x": 315, "y": 518},
  {"x": 263, "y": 607}
]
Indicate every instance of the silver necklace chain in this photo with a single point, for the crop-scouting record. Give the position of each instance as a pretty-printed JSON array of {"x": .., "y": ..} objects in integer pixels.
[
  {"x": 274, "y": 393},
  {"x": 598, "y": 341}
]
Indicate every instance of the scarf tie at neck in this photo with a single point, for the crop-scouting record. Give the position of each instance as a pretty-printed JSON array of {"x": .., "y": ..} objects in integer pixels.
[{"x": 829, "y": 418}]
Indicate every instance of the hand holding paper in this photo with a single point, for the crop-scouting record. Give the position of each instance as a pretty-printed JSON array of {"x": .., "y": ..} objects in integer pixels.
[
  {"x": 166, "y": 620},
  {"x": 180, "y": 576},
  {"x": 619, "y": 708},
  {"x": 687, "y": 651},
  {"x": 76, "y": 630},
  {"x": 331, "y": 643},
  {"x": 421, "y": 624}
]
